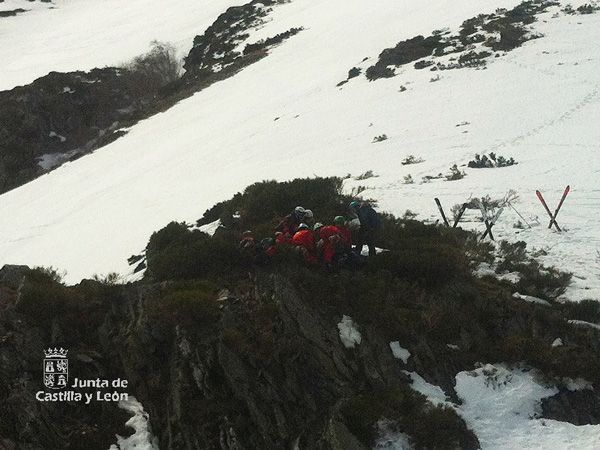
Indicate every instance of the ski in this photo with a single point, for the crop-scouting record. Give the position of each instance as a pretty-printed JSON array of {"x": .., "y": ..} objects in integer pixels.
[
  {"x": 489, "y": 223},
  {"x": 488, "y": 230},
  {"x": 541, "y": 197},
  {"x": 460, "y": 214},
  {"x": 553, "y": 216},
  {"x": 439, "y": 205},
  {"x": 562, "y": 200}
]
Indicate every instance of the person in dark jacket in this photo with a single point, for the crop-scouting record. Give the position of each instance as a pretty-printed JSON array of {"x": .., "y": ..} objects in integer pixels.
[
  {"x": 369, "y": 224},
  {"x": 289, "y": 225},
  {"x": 344, "y": 232}
]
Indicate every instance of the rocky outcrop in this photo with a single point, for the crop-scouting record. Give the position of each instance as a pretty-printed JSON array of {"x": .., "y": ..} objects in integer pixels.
[
  {"x": 580, "y": 407},
  {"x": 216, "y": 390},
  {"x": 270, "y": 373},
  {"x": 26, "y": 423},
  {"x": 62, "y": 116}
]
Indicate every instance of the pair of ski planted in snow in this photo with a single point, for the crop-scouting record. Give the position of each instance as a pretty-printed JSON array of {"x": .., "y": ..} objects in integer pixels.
[
  {"x": 443, "y": 214},
  {"x": 490, "y": 221},
  {"x": 553, "y": 216}
]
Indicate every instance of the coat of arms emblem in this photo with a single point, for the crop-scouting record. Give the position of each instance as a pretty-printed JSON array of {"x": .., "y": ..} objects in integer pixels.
[{"x": 56, "y": 368}]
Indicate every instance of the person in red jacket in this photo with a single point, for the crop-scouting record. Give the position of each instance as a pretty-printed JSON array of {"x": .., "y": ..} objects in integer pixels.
[
  {"x": 282, "y": 239},
  {"x": 329, "y": 240},
  {"x": 304, "y": 240}
]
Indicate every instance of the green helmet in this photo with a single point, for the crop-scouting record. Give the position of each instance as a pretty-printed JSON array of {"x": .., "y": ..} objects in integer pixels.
[{"x": 339, "y": 220}]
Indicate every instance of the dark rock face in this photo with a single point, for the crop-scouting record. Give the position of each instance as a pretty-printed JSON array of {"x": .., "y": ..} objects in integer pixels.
[
  {"x": 501, "y": 31},
  {"x": 65, "y": 114},
  {"x": 209, "y": 391},
  {"x": 26, "y": 423},
  {"x": 577, "y": 407},
  {"x": 217, "y": 44},
  {"x": 262, "y": 367},
  {"x": 266, "y": 377}
]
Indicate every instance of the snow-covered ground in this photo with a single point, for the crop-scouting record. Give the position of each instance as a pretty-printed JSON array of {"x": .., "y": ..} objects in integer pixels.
[
  {"x": 539, "y": 104},
  {"x": 142, "y": 438},
  {"x": 502, "y": 406},
  {"x": 67, "y": 35}
]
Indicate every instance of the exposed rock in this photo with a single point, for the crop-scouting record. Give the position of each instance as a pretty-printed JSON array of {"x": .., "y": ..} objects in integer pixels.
[
  {"x": 581, "y": 407},
  {"x": 61, "y": 116}
]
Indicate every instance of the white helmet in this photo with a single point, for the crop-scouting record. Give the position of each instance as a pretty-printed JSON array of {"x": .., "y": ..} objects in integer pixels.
[
  {"x": 308, "y": 214},
  {"x": 299, "y": 210}
]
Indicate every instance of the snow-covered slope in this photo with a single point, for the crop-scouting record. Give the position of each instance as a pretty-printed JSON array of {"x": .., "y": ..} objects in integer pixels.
[
  {"x": 284, "y": 117},
  {"x": 67, "y": 35}
]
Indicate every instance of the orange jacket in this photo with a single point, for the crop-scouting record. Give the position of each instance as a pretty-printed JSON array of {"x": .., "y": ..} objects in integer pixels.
[{"x": 306, "y": 239}]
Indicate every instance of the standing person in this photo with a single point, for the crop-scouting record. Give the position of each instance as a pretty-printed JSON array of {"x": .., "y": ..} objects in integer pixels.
[
  {"x": 319, "y": 243},
  {"x": 369, "y": 224},
  {"x": 248, "y": 247},
  {"x": 344, "y": 232},
  {"x": 289, "y": 225}
]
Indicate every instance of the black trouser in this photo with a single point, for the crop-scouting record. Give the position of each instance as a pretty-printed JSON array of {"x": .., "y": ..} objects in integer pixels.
[{"x": 366, "y": 236}]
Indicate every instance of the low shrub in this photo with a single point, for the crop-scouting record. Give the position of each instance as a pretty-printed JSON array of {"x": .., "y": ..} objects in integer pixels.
[
  {"x": 441, "y": 428},
  {"x": 586, "y": 310},
  {"x": 485, "y": 162},
  {"x": 43, "y": 297},
  {"x": 379, "y": 71},
  {"x": 264, "y": 203},
  {"x": 155, "y": 69},
  {"x": 411, "y": 159},
  {"x": 424, "y": 63},
  {"x": 353, "y": 73},
  {"x": 365, "y": 176},
  {"x": 178, "y": 253},
  {"x": 587, "y": 8},
  {"x": 425, "y": 262},
  {"x": 455, "y": 174},
  {"x": 536, "y": 279},
  {"x": 186, "y": 304},
  {"x": 473, "y": 59},
  {"x": 428, "y": 426},
  {"x": 363, "y": 411},
  {"x": 269, "y": 42}
]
